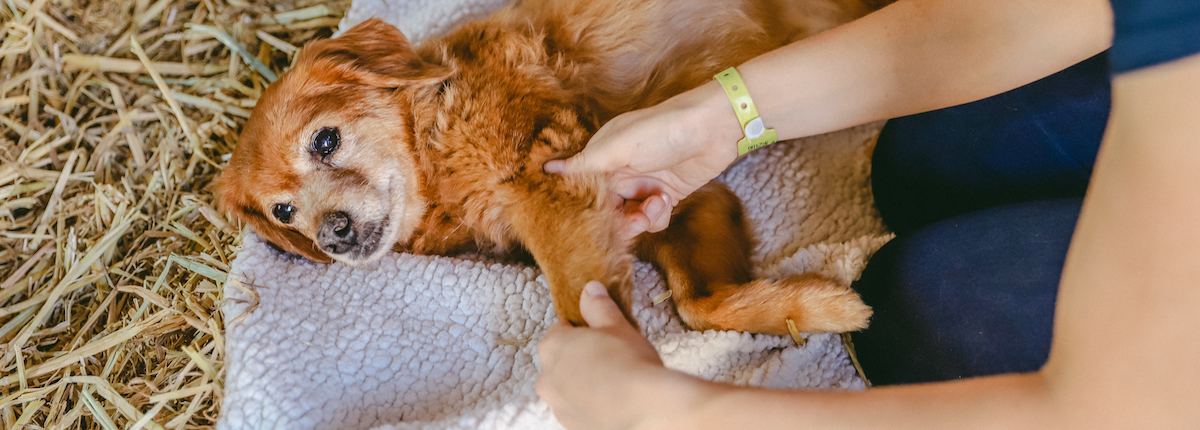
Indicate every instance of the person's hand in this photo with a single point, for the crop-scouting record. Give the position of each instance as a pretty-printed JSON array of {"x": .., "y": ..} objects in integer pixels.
[
  {"x": 661, "y": 154},
  {"x": 608, "y": 375}
]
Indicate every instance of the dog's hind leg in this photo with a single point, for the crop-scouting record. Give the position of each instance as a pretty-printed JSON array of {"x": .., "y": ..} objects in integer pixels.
[{"x": 705, "y": 256}]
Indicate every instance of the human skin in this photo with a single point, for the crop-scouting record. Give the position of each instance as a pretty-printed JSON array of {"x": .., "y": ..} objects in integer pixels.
[
  {"x": 912, "y": 56},
  {"x": 1122, "y": 355}
]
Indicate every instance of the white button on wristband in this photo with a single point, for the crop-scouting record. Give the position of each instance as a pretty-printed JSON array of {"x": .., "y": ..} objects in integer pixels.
[{"x": 754, "y": 128}]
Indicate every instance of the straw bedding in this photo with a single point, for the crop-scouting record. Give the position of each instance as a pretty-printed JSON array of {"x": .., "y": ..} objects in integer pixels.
[{"x": 111, "y": 249}]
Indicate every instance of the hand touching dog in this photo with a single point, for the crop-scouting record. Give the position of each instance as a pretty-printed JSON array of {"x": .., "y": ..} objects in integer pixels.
[{"x": 608, "y": 376}]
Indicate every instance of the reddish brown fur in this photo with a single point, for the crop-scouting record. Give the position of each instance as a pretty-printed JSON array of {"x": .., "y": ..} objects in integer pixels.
[{"x": 443, "y": 147}]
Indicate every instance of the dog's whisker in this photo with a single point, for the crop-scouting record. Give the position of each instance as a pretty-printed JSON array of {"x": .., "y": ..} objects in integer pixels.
[{"x": 451, "y": 233}]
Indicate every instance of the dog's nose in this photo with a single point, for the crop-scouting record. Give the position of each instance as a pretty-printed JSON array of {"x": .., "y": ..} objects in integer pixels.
[{"x": 337, "y": 233}]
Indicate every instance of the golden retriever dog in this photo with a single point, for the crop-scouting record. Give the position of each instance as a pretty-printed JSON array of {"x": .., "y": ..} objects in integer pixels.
[{"x": 369, "y": 145}]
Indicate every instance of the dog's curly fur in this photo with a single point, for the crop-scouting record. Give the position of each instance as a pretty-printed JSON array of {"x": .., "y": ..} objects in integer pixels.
[{"x": 439, "y": 150}]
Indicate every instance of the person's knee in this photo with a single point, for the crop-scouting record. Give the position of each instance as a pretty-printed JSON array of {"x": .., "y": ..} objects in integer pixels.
[{"x": 969, "y": 296}]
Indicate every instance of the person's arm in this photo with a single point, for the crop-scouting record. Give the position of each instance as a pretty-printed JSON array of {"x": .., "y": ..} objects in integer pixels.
[
  {"x": 1124, "y": 353},
  {"x": 915, "y": 56},
  {"x": 909, "y": 57}
]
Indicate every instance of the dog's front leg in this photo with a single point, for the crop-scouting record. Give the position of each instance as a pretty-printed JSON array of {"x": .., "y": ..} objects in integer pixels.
[{"x": 572, "y": 236}]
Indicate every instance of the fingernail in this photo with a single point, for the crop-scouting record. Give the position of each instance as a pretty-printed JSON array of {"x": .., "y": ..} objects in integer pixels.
[
  {"x": 594, "y": 288},
  {"x": 653, "y": 208},
  {"x": 554, "y": 166}
]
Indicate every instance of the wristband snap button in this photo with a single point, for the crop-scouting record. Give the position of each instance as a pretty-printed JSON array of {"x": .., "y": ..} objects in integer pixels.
[{"x": 755, "y": 128}]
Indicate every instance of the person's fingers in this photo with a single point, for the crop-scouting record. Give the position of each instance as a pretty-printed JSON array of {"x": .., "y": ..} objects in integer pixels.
[
  {"x": 634, "y": 223},
  {"x": 579, "y": 163},
  {"x": 658, "y": 212},
  {"x": 653, "y": 207},
  {"x": 589, "y": 160},
  {"x": 617, "y": 202},
  {"x": 642, "y": 187},
  {"x": 637, "y": 187},
  {"x": 597, "y": 308},
  {"x": 555, "y": 166}
]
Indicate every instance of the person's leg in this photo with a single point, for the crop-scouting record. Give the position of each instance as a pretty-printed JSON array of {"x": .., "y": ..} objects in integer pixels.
[
  {"x": 1032, "y": 143},
  {"x": 974, "y": 294},
  {"x": 969, "y": 296}
]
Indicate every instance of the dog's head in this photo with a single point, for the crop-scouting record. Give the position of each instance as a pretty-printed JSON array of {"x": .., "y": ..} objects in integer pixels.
[{"x": 324, "y": 166}]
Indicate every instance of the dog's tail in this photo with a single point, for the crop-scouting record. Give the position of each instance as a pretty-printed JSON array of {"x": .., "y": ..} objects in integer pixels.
[
  {"x": 813, "y": 304},
  {"x": 705, "y": 256}
]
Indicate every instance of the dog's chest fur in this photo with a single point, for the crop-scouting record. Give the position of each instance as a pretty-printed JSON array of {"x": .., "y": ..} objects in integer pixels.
[{"x": 488, "y": 131}]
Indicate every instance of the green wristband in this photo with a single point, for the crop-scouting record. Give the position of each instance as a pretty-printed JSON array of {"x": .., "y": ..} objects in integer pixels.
[{"x": 756, "y": 135}]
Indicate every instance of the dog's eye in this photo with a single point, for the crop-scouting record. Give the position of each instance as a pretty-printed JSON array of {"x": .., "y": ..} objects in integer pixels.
[
  {"x": 326, "y": 141},
  {"x": 284, "y": 213}
]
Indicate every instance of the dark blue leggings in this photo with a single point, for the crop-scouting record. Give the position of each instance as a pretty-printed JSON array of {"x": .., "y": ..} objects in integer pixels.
[{"x": 983, "y": 198}]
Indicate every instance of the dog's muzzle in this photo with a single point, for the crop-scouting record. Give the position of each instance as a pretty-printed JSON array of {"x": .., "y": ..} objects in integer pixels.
[{"x": 339, "y": 234}]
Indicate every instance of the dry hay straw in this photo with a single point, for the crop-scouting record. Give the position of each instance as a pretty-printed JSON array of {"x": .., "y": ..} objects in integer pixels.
[{"x": 115, "y": 117}]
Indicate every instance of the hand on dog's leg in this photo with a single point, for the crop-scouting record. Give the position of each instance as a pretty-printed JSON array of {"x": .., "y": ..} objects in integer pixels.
[{"x": 610, "y": 376}]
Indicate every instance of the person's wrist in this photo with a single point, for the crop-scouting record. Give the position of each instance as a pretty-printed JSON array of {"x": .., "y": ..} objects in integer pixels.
[
  {"x": 728, "y": 129},
  {"x": 710, "y": 121},
  {"x": 674, "y": 399}
]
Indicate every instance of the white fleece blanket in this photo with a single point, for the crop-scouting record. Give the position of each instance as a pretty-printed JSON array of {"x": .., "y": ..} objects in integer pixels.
[{"x": 426, "y": 342}]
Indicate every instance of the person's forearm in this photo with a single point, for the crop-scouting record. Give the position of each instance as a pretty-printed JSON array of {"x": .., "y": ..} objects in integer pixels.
[
  {"x": 1005, "y": 402},
  {"x": 914, "y": 56},
  {"x": 1123, "y": 354}
]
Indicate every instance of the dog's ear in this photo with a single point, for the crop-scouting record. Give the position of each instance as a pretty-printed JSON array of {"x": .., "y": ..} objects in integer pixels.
[
  {"x": 375, "y": 53},
  {"x": 287, "y": 240}
]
